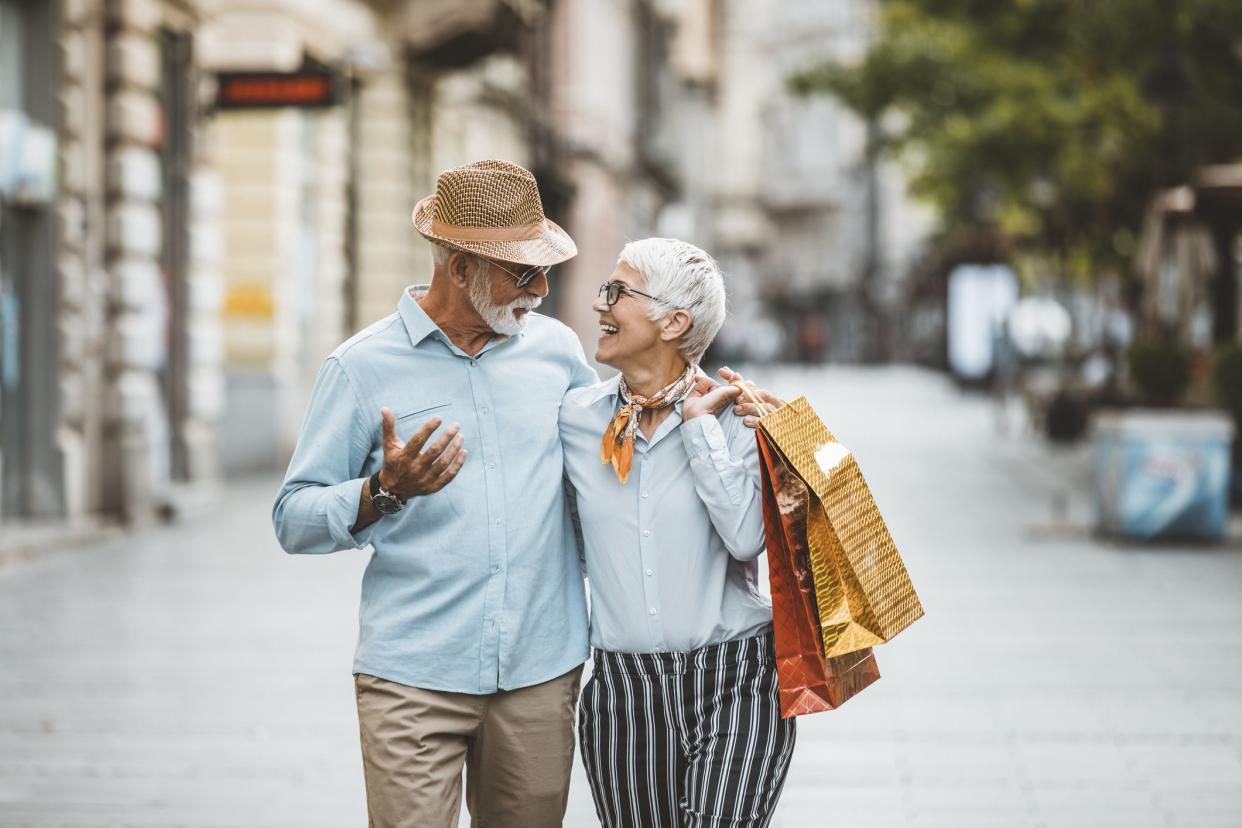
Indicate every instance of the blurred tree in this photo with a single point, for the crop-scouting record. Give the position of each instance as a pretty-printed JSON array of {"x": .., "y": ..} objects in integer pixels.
[{"x": 1042, "y": 127}]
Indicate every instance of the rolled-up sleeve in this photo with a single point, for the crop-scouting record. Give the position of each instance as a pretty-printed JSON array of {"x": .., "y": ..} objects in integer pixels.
[
  {"x": 318, "y": 503},
  {"x": 726, "y": 477}
]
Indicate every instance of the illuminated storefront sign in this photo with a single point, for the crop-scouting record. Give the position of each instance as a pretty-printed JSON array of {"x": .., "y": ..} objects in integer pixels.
[{"x": 262, "y": 90}]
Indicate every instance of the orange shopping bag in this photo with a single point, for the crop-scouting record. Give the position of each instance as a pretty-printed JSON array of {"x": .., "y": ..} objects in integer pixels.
[{"x": 808, "y": 682}]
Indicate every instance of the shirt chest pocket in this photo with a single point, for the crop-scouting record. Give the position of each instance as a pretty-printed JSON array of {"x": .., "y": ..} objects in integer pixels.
[
  {"x": 411, "y": 419},
  {"x": 443, "y": 504}
]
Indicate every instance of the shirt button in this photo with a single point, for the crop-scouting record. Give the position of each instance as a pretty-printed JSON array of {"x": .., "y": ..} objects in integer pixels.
[
  {"x": 498, "y": 521},
  {"x": 491, "y": 465},
  {"x": 646, "y": 533},
  {"x": 651, "y": 611},
  {"x": 644, "y": 494},
  {"x": 483, "y": 411},
  {"x": 495, "y": 569},
  {"x": 650, "y": 572}
]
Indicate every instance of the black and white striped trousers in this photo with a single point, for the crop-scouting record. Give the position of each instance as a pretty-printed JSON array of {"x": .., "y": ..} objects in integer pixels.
[{"x": 680, "y": 740}]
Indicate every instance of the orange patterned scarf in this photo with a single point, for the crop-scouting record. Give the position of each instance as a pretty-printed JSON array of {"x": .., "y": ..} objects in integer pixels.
[{"x": 618, "y": 445}]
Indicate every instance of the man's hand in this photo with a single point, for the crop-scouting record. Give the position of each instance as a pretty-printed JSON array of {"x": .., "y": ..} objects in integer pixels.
[
  {"x": 410, "y": 470},
  {"x": 707, "y": 397},
  {"x": 748, "y": 411}
]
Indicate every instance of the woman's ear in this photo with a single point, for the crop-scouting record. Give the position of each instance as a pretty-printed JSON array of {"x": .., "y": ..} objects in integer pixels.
[{"x": 674, "y": 325}]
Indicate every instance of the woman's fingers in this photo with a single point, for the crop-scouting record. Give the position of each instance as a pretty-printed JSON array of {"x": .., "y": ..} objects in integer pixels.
[{"x": 716, "y": 400}]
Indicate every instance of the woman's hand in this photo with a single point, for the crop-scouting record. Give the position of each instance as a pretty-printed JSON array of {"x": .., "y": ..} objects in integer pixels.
[
  {"x": 748, "y": 411},
  {"x": 708, "y": 397}
]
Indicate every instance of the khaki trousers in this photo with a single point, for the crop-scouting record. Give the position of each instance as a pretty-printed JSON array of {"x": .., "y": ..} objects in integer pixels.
[{"x": 517, "y": 747}]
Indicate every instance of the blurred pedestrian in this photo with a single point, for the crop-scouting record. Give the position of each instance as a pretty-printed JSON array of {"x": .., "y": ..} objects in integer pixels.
[
  {"x": 473, "y": 627},
  {"x": 680, "y": 723}
]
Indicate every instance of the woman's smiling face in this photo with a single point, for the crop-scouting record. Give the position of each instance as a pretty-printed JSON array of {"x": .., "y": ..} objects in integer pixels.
[{"x": 627, "y": 332}]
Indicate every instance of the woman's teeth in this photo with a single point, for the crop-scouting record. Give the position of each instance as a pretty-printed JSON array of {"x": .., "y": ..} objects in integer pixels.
[{"x": 608, "y": 330}]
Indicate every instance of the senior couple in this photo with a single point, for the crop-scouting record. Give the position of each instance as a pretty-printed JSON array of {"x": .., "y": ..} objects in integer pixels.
[{"x": 466, "y": 439}]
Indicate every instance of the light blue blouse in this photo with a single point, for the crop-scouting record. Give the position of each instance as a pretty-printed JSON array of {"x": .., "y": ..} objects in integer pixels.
[{"x": 671, "y": 555}]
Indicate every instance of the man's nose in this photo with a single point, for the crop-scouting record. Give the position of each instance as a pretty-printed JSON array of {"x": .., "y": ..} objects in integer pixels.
[{"x": 539, "y": 285}]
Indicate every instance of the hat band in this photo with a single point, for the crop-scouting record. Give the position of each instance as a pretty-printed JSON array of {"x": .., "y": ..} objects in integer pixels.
[{"x": 517, "y": 232}]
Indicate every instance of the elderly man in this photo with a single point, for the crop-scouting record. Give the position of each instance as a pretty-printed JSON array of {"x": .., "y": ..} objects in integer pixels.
[{"x": 432, "y": 436}]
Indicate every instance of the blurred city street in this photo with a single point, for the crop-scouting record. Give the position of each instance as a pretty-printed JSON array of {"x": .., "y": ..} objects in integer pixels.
[{"x": 194, "y": 675}]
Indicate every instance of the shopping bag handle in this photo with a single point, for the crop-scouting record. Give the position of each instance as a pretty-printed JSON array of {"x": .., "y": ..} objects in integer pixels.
[{"x": 748, "y": 392}]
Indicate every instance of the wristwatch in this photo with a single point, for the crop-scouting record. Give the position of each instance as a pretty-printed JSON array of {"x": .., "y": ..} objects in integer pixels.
[{"x": 384, "y": 501}]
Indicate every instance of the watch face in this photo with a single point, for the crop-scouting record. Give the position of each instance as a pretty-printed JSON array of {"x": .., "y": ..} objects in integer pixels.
[{"x": 386, "y": 504}]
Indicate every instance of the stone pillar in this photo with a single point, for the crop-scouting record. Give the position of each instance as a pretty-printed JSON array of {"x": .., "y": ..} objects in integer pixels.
[
  {"x": 137, "y": 431},
  {"x": 80, "y": 256},
  {"x": 390, "y": 254}
]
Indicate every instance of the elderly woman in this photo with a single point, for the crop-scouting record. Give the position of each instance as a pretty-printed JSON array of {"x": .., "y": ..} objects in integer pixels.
[{"x": 679, "y": 723}]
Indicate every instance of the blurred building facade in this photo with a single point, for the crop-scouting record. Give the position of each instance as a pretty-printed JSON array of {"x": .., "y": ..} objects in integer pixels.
[
  {"x": 168, "y": 303},
  {"x": 819, "y": 237},
  {"x": 111, "y": 344}
]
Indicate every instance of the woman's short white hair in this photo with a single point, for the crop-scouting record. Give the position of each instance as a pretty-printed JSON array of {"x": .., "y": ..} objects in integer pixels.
[{"x": 681, "y": 276}]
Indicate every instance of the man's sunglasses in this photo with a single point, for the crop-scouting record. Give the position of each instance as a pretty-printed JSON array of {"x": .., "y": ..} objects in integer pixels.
[
  {"x": 612, "y": 291},
  {"x": 526, "y": 276}
]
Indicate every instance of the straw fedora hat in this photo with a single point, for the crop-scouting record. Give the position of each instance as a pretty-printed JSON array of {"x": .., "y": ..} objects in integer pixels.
[{"x": 492, "y": 208}]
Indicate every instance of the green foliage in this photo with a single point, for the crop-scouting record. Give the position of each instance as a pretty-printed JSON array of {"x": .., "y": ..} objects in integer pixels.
[
  {"x": 1160, "y": 370},
  {"x": 1227, "y": 377},
  {"x": 1050, "y": 122}
]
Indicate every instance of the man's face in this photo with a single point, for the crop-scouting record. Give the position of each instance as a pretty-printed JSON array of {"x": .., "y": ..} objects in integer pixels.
[{"x": 497, "y": 298}]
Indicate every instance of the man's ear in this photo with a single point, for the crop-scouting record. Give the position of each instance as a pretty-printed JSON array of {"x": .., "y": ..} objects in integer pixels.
[
  {"x": 459, "y": 268},
  {"x": 675, "y": 324}
]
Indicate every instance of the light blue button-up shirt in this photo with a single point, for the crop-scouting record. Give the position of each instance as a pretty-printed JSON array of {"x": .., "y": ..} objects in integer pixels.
[
  {"x": 670, "y": 555},
  {"x": 477, "y": 587}
]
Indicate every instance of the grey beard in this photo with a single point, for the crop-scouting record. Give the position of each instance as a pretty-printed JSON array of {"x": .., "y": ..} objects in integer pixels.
[{"x": 499, "y": 318}]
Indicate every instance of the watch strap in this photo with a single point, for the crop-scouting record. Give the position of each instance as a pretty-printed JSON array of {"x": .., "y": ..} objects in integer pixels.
[{"x": 374, "y": 487}]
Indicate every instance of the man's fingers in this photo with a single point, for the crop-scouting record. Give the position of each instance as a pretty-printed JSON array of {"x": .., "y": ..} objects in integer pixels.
[
  {"x": 442, "y": 459},
  {"x": 749, "y": 412},
  {"x": 770, "y": 398},
  {"x": 388, "y": 425},
  {"x": 419, "y": 438},
  {"x": 437, "y": 446},
  {"x": 446, "y": 476},
  {"x": 747, "y": 408}
]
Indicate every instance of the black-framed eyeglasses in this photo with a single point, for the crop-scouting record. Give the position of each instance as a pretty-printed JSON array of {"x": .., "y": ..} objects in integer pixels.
[
  {"x": 612, "y": 291},
  {"x": 526, "y": 276}
]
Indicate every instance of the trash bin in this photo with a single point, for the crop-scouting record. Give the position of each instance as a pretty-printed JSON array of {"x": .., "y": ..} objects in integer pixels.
[{"x": 1163, "y": 473}]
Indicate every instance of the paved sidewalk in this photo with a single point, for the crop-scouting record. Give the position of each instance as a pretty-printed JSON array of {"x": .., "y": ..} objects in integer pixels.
[{"x": 197, "y": 676}]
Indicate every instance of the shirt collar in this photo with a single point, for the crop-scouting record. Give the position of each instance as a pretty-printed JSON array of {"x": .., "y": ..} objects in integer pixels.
[
  {"x": 608, "y": 388},
  {"x": 612, "y": 388},
  {"x": 417, "y": 323}
]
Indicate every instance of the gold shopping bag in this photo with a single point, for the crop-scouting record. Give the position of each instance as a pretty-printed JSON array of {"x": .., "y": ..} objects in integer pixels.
[
  {"x": 862, "y": 589},
  {"x": 807, "y": 681}
]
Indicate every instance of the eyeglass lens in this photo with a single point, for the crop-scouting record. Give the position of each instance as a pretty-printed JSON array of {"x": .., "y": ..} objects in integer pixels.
[
  {"x": 611, "y": 291},
  {"x": 530, "y": 274}
]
